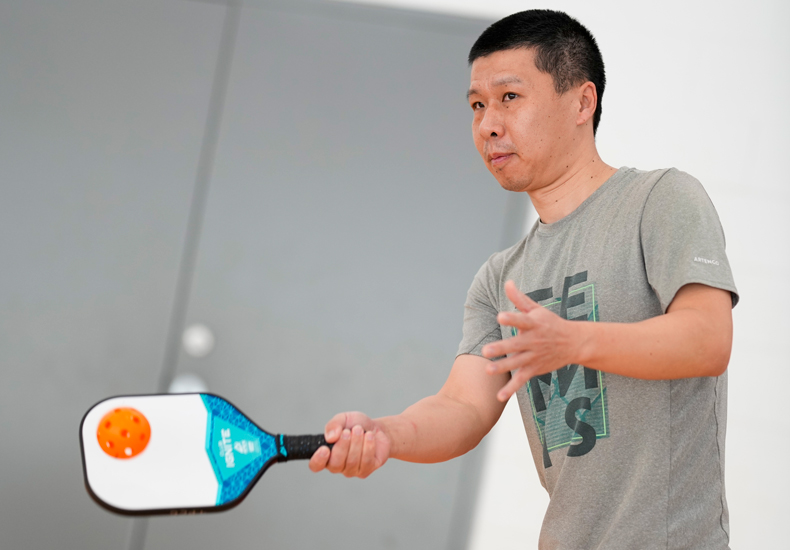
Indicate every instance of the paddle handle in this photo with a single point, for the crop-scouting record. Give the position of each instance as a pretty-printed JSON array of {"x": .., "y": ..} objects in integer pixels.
[{"x": 296, "y": 447}]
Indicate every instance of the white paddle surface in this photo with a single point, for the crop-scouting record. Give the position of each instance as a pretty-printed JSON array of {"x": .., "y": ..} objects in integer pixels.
[{"x": 172, "y": 472}]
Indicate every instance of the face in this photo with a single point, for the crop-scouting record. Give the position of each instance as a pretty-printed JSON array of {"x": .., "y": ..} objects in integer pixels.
[{"x": 526, "y": 133}]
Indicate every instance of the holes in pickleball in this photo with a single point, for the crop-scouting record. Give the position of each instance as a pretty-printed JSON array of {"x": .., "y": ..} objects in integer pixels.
[{"x": 123, "y": 433}]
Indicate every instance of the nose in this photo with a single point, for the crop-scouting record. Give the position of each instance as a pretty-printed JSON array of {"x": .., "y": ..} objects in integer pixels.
[{"x": 492, "y": 124}]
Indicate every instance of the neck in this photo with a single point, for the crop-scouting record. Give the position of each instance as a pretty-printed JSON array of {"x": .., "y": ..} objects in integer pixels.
[{"x": 564, "y": 194}]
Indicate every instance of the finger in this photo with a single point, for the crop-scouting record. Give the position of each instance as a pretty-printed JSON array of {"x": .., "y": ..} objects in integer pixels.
[
  {"x": 368, "y": 463},
  {"x": 337, "y": 460},
  {"x": 522, "y": 321},
  {"x": 520, "y": 300},
  {"x": 516, "y": 344},
  {"x": 518, "y": 379},
  {"x": 354, "y": 457},
  {"x": 319, "y": 459},
  {"x": 517, "y": 361},
  {"x": 334, "y": 427}
]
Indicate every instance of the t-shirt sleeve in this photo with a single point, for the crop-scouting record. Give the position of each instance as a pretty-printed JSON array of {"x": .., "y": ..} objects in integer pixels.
[
  {"x": 480, "y": 310},
  {"x": 682, "y": 239}
]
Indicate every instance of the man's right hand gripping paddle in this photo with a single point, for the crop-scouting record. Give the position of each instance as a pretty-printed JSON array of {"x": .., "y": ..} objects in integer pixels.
[{"x": 361, "y": 446}]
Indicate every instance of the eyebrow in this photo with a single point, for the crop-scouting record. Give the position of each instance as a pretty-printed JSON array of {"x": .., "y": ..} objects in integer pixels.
[{"x": 497, "y": 83}]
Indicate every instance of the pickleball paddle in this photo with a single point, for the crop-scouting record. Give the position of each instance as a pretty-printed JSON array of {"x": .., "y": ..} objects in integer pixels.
[{"x": 178, "y": 453}]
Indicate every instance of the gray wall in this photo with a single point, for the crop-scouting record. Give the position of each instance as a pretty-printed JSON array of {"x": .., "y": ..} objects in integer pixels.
[{"x": 298, "y": 176}]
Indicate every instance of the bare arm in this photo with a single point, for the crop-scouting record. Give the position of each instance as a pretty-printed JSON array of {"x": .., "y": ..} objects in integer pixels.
[
  {"x": 452, "y": 422},
  {"x": 434, "y": 429},
  {"x": 694, "y": 338}
]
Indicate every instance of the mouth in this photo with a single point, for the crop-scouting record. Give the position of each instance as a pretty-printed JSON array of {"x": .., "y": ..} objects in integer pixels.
[{"x": 498, "y": 159}]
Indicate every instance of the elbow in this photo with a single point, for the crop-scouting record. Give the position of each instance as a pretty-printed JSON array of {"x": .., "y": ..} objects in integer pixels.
[
  {"x": 713, "y": 345},
  {"x": 717, "y": 367},
  {"x": 717, "y": 355}
]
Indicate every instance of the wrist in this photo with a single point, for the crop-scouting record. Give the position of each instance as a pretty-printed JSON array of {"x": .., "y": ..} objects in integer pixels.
[
  {"x": 583, "y": 343},
  {"x": 399, "y": 432}
]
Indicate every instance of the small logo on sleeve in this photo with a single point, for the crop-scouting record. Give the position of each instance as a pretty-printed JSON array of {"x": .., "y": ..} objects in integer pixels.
[{"x": 705, "y": 261}]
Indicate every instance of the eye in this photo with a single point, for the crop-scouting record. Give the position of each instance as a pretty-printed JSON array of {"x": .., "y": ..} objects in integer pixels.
[
  {"x": 477, "y": 106},
  {"x": 510, "y": 95}
]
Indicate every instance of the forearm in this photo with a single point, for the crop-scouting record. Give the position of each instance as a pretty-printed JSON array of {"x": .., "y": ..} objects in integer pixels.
[
  {"x": 680, "y": 345},
  {"x": 692, "y": 339},
  {"x": 434, "y": 429},
  {"x": 452, "y": 422}
]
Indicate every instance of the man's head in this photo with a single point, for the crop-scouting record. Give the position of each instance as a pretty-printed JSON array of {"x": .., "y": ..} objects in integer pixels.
[
  {"x": 563, "y": 48},
  {"x": 535, "y": 96}
]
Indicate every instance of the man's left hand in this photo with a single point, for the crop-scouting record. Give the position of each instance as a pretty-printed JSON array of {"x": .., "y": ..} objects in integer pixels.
[{"x": 544, "y": 342}]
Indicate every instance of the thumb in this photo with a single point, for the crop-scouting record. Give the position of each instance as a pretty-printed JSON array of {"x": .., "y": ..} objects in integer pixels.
[
  {"x": 522, "y": 302},
  {"x": 334, "y": 427},
  {"x": 346, "y": 420}
]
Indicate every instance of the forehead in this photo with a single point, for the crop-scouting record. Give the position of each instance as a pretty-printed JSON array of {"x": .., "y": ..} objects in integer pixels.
[{"x": 503, "y": 68}]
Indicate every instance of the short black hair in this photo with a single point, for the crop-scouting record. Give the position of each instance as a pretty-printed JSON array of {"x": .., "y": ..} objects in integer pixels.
[{"x": 564, "y": 48}]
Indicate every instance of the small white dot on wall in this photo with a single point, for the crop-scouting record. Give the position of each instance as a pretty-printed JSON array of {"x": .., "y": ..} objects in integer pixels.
[{"x": 198, "y": 340}]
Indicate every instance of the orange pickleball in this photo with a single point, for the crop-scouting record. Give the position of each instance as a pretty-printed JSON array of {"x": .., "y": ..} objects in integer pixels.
[{"x": 123, "y": 432}]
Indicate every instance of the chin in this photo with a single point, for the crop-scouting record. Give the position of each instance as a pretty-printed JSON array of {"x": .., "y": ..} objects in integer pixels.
[
  {"x": 509, "y": 184},
  {"x": 508, "y": 181}
]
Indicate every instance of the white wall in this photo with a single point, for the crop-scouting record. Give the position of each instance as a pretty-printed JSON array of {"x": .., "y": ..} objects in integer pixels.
[{"x": 702, "y": 86}]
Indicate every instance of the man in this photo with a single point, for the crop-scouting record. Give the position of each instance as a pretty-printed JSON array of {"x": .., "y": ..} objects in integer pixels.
[{"x": 611, "y": 320}]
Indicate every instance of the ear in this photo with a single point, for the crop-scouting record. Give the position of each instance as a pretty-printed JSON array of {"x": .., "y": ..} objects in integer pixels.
[{"x": 588, "y": 102}]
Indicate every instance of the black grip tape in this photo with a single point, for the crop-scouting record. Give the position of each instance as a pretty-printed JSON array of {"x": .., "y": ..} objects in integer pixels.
[{"x": 296, "y": 447}]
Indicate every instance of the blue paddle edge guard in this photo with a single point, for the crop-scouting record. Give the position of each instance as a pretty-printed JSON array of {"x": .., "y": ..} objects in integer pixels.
[{"x": 239, "y": 450}]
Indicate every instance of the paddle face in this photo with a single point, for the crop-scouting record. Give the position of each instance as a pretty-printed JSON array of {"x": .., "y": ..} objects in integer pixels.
[{"x": 173, "y": 454}]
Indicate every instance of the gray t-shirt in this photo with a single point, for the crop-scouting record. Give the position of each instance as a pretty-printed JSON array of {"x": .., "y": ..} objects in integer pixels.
[{"x": 628, "y": 463}]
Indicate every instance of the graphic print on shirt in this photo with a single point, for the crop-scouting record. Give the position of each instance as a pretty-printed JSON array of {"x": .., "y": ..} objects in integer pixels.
[{"x": 569, "y": 405}]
